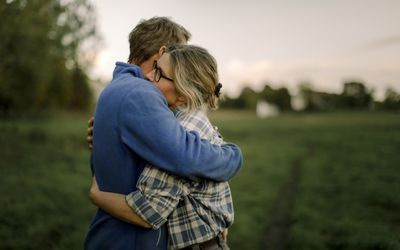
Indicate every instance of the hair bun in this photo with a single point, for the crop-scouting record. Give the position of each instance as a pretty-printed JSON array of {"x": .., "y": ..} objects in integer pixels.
[{"x": 218, "y": 89}]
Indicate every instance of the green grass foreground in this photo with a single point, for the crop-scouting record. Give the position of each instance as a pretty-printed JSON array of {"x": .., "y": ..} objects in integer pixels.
[{"x": 309, "y": 181}]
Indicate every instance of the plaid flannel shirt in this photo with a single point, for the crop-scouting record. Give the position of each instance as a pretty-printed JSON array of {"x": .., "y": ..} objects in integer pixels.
[{"x": 195, "y": 211}]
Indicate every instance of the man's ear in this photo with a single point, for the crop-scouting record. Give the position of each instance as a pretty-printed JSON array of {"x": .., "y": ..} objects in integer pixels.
[{"x": 162, "y": 50}]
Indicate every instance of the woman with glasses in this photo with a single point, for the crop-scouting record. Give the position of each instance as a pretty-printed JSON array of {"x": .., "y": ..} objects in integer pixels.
[{"x": 197, "y": 213}]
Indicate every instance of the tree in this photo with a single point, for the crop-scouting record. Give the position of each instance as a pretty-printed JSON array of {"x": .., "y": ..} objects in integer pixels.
[
  {"x": 318, "y": 101},
  {"x": 232, "y": 103},
  {"x": 41, "y": 47},
  {"x": 306, "y": 92},
  {"x": 392, "y": 100},
  {"x": 23, "y": 51},
  {"x": 279, "y": 97},
  {"x": 355, "y": 96},
  {"x": 81, "y": 91},
  {"x": 249, "y": 98}
]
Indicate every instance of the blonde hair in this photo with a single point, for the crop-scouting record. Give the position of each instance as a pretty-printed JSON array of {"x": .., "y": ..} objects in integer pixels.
[
  {"x": 195, "y": 76},
  {"x": 150, "y": 35}
]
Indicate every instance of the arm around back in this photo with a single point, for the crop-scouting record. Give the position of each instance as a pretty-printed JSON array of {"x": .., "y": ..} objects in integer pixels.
[{"x": 150, "y": 129}]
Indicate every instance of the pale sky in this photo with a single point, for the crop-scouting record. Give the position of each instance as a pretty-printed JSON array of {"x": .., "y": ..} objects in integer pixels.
[{"x": 282, "y": 42}]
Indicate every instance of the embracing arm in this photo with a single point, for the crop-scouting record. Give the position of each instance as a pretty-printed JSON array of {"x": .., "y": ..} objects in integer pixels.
[
  {"x": 151, "y": 130},
  {"x": 157, "y": 196},
  {"x": 115, "y": 205}
]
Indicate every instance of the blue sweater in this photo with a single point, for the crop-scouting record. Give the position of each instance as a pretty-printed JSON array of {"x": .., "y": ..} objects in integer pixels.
[{"x": 133, "y": 125}]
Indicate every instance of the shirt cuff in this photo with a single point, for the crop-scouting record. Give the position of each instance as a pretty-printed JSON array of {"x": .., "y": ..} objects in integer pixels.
[{"x": 140, "y": 205}]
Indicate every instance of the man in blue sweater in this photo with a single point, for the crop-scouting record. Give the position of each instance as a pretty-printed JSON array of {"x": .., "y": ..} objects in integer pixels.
[{"x": 133, "y": 126}]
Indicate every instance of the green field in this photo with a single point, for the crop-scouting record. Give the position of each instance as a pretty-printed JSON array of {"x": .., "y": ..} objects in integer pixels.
[{"x": 309, "y": 181}]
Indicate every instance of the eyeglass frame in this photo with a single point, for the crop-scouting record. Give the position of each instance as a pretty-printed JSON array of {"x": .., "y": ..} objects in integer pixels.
[{"x": 158, "y": 73}]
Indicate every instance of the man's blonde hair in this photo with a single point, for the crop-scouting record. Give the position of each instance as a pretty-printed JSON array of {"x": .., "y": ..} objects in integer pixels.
[
  {"x": 150, "y": 35},
  {"x": 195, "y": 76}
]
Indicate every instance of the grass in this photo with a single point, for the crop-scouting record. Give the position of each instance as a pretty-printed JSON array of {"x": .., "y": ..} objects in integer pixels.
[
  {"x": 44, "y": 183},
  {"x": 268, "y": 158},
  {"x": 346, "y": 196},
  {"x": 349, "y": 193}
]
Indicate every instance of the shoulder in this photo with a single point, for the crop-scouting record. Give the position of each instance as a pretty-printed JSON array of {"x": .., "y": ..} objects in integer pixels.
[
  {"x": 199, "y": 122},
  {"x": 127, "y": 84},
  {"x": 193, "y": 120},
  {"x": 142, "y": 95}
]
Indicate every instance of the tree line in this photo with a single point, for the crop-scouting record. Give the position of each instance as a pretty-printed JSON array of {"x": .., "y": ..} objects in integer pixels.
[
  {"x": 355, "y": 96},
  {"x": 46, "y": 48}
]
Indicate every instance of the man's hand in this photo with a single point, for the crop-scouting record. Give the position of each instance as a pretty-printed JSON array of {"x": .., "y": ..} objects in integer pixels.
[{"x": 89, "y": 138}]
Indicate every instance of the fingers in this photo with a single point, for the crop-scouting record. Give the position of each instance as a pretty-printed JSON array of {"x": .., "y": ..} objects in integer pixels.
[
  {"x": 91, "y": 121},
  {"x": 90, "y": 131},
  {"x": 90, "y": 126},
  {"x": 89, "y": 140},
  {"x": 89, "y": 137}
]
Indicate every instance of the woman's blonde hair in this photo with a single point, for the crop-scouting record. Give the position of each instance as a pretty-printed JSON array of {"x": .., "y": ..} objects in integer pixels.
[{"x": 195, "y": 76}]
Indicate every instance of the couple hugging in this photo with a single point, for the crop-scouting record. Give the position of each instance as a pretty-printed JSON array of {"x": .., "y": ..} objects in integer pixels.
[{"x": 160, "y": 169}]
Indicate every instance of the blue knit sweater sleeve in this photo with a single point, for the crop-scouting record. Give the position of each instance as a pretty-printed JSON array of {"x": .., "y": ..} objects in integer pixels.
[{"x": 150, "y": 129}]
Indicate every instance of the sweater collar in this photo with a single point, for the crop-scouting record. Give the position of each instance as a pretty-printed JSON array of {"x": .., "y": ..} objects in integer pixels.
[{"x": 123, "y": 68}]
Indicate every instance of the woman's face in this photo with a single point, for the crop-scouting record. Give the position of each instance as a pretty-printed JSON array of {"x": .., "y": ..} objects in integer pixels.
[{"x": 161, "y": 77}]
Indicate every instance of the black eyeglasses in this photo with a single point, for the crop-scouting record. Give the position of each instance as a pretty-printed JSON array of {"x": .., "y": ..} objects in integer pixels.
[{"x": 158, "y": 73}]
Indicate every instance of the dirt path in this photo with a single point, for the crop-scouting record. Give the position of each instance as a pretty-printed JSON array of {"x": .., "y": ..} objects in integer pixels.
[{"x": 278, "y": 229}]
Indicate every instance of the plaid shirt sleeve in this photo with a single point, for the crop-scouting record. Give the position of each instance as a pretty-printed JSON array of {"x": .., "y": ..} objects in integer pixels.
[
  {"x": 159, "y": 192},
  {"x": 157, "y": 196}
]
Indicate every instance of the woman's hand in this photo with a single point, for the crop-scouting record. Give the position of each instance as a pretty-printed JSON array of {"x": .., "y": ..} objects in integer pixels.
[
  {"x": 94, "y": 191},
  {"x": 225, "y": 234},
  {"x": 89, "y": 138}
]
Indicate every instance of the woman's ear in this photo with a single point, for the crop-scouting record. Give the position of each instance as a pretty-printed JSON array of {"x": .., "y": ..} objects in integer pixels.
[
  {"x": 179, "y": 101},
  {"x": 162, "y": 50}
]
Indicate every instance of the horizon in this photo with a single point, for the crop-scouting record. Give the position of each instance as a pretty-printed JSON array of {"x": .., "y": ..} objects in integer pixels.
[{"x": 280, "y": 42}]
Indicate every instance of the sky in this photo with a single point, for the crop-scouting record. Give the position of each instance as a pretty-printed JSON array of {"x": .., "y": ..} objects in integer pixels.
[{"x": 279, "y": 42}]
